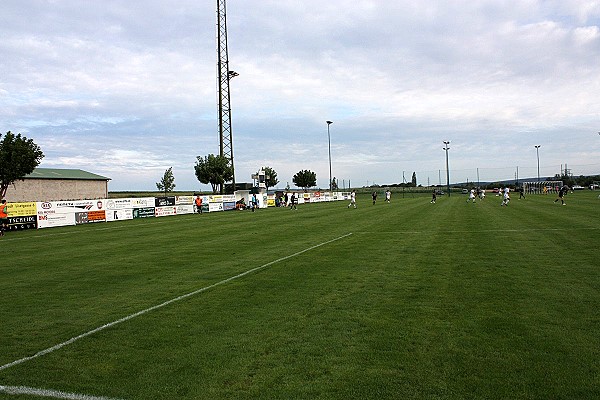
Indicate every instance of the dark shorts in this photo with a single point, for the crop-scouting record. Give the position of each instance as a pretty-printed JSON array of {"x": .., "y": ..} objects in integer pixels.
[{"x": 3, "y": 221}]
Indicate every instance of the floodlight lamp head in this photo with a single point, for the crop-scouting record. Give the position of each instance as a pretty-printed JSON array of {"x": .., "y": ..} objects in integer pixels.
[{"x": 329, "y": 122}]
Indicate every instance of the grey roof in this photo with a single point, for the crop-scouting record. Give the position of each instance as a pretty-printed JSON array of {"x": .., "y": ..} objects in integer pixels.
[{"x": 66, "y": 174}]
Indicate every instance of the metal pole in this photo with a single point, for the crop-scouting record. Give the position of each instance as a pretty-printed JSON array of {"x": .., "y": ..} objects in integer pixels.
[
  {"x": 537, "y": 150},
  {"x": 447, "y": 147},
  {"x": 329, "y": 147}
]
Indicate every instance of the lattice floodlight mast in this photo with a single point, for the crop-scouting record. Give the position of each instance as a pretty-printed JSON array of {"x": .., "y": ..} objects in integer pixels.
[{"x": 224, "y": 75}]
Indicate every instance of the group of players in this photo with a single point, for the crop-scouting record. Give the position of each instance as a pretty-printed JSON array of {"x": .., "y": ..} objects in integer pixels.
[
  {"x": 505, "y": 193},
  {"x": 474, "y": 193}
]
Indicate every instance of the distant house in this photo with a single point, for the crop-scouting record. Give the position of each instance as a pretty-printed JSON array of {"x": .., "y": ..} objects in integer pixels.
[{"x": 51, "y": 184}]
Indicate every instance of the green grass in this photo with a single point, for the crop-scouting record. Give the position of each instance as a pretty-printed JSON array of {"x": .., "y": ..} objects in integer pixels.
[{"x": 421, "y": 301}]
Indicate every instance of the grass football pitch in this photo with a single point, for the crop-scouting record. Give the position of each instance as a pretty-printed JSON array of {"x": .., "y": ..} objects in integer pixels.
[{"x": 407, "y": 300}]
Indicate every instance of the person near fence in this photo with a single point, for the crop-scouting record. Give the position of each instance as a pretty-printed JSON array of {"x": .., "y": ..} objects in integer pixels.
[
  {"x": 198, "y": 202},
  {"x": 3, "y": 217}
]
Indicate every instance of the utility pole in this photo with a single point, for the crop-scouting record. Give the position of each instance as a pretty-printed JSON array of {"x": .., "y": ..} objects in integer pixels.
[
  {"x": 329, "y": 147},
  {"x": 537, "y": 151},
  {"x": 447, "y": 147},
  {"x": 224, "y": 75}
]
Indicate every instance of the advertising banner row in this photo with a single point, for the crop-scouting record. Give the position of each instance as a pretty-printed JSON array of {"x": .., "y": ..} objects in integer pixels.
[{"x": 39, "y": 215}]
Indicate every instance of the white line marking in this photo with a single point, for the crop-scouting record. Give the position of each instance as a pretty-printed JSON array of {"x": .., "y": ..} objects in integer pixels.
[
  {"x": 147, "y": 310},
  {"x": 17, "y": 390},
  {"x": 481, "y": 231}
]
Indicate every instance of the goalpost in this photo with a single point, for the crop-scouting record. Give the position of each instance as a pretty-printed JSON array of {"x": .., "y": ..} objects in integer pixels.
[{"x": 542, "y": 187}]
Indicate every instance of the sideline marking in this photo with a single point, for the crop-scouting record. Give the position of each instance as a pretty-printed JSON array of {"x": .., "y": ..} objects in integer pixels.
[
  {"x": 482, "y": 231},
  {"x": 17, "y": 390},
  {"x": 147, "y": 310}
]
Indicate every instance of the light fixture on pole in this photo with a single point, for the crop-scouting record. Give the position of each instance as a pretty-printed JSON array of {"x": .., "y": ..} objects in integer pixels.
[
  {"x": 447, "y": 147},
  {"x": 329, "y": 147},
  {"x": 537, "y": 150}
]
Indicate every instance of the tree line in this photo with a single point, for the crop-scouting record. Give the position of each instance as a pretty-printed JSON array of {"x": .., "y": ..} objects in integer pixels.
[{"x": 216, "y": 171}]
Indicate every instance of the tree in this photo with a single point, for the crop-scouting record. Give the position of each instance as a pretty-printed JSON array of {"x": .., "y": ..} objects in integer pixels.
[
  {"x": 215, "y": 170},
  {"x": 19, "y": 156},
  {"x": 414, "y": 179},
  {"x": 305, "y": 179},
  {"x": 270, "y": 177},
  {"x": 167, "y": 183}
]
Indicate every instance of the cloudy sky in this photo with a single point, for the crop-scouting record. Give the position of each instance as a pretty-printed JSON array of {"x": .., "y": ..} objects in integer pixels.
[{"x": 127, "y": 88}]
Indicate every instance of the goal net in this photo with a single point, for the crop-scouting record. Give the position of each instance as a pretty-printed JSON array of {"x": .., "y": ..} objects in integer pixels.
[{"x": 542, "y": 187}]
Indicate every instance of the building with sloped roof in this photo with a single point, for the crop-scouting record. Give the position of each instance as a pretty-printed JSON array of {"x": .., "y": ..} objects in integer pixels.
[{"x": 53, "y": 184}]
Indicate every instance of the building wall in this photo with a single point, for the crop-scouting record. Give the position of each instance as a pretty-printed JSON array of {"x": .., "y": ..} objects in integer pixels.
[{"x": 56, "y": 189}]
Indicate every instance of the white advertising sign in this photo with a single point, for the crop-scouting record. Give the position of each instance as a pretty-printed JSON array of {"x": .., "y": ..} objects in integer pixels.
[
  {"x": 119, "y": 215},
  {"x": 165, "y": 211},
  {"x": 142, "y": 202},
  {"x": 212, "y": 207},
  {"x": 48, "y": 219},
  {"x": 184, "y": 200},
  {"x": 185, "y": 209},
  {"x": 119, "y": 204}
]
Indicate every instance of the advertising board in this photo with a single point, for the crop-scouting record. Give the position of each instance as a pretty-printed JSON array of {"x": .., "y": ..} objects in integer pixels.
[
  {"x": 229, "y": 205},
  {"x": 179, "y": 200},
  {"x": 212, "y": 207},
  {"x": 21, "y": 209},
  {"x": 119, "y": 204},
  {"x": 185, "y": 209},
  {"x": 51, "y": 220},
  {"x": 97, "y": 216},
  {"x": 143, "y": 202},
  {"x": 119, "y": 215},
  {"x": 164, "y": 201},
  {"x": 165, "y": 211},
  {"x": 145, "y": 212},
  {"x": 24, "y": 222},
  {"x": 81, "y": 218}
]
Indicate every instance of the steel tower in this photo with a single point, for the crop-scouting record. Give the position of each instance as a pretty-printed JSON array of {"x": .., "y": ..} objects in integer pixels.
[{"x": 224, "y": 75}]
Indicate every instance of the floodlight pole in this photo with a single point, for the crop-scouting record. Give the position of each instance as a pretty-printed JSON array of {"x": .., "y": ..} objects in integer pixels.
[
  {"x": 329, "y": 147},
  {"x": 447, "y": 147},
  {"x": 224, "y": 75},
  {"x": 537, "y": 150}
]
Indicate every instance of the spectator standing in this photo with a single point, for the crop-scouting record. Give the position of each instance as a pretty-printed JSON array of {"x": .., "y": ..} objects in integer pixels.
[
  {"x": 198, "y": 203},
  {"x": 254, "y": 202},
  {"x": 3, "y": 217}
]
